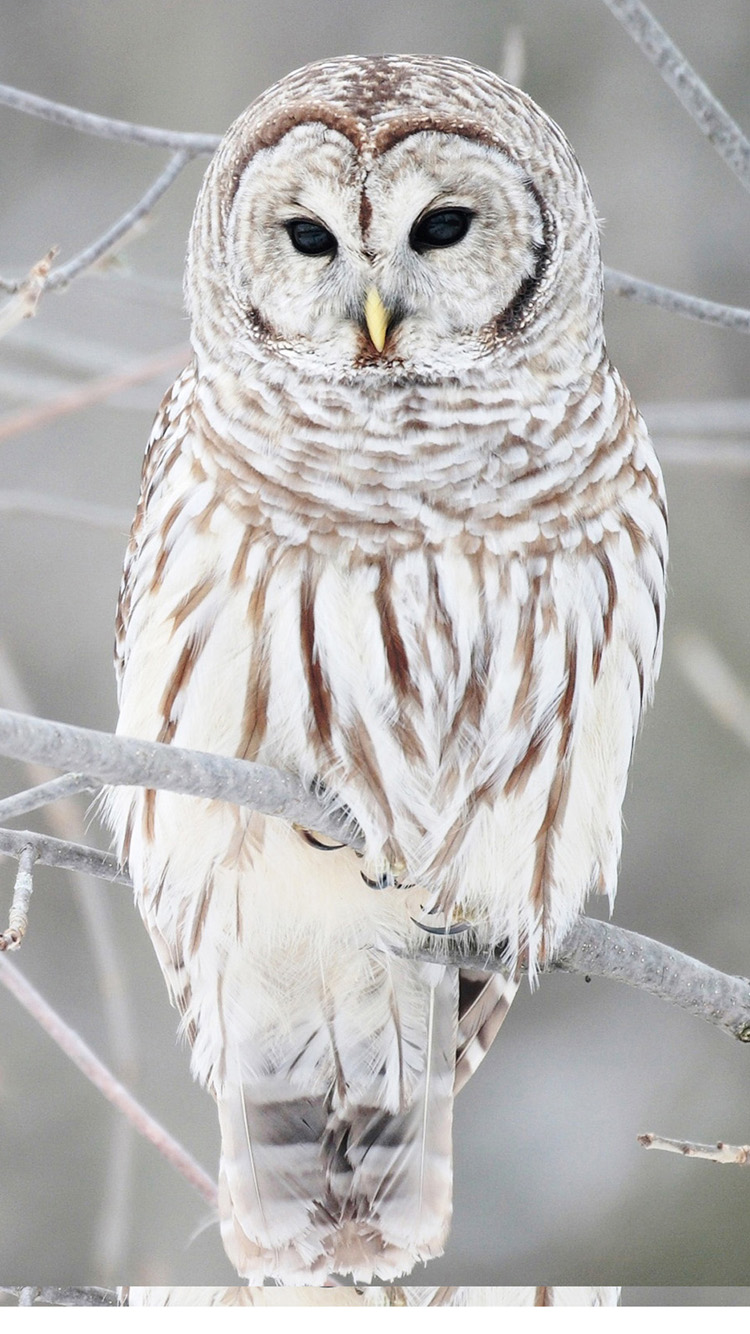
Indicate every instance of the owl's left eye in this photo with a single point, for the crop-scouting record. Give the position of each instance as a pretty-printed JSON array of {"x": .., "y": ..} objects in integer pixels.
[
  {"x": 310, "y": 238},
  {"x": 443, "y": 227}
]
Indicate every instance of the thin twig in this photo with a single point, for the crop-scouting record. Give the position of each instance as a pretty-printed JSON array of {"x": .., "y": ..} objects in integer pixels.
[
  {"x": 105, "y": 127},
  {"x": 714, "y": 1153},
  {"x": 68, "y": 856},
  {"x": 713, "y": 680},
  {"x": 65, "y": 819},
  {"x": 102, "y": 1078},
  {"x": 710, "y": 116},
  {"x": 27, "y": 292},
  {"x": 18, "y": 919},
  {"x": 94, "y": 391},
  {"x": 616, "y": 283},
  {"x": 43, "y": 795},
  {"x": 93, "y": 253}
]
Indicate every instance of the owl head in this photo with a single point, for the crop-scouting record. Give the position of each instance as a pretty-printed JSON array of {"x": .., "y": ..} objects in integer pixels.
[{"x": 399, "y": 216}]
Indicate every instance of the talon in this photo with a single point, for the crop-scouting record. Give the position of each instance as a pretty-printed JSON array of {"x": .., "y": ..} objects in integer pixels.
[
  {"x": 316, "y": 840},
  {"x": 384, "y": 881},
  {"x": 457, "y": 929}
]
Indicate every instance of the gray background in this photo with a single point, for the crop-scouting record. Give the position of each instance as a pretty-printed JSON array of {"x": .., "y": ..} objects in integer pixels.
[{"x": 551, "y": 1186}]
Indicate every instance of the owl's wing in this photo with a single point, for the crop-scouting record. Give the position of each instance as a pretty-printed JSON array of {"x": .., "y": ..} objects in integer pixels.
[{"x": 164, "y": 444}]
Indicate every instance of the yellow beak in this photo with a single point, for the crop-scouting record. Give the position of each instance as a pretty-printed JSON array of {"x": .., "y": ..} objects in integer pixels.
[{"x": 377, "y": 318}]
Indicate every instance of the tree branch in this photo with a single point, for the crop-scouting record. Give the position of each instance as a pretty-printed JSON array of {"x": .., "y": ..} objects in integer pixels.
[
  {"x": 592, "y": 947},
  {"x": 102, "y": 1078},
  {"x": 105, "y": 127},
  {"x": 677, "y": 303},
  {"x": 86, "y": 258},
  {"x": 710, "y": 116},
  {"x": 714, "y": 1153},
  {"x": 63, "y": 1296},
  {"x": 123, "y": 761}
]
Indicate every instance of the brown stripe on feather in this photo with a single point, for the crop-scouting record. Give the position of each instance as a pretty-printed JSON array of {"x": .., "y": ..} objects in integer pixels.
[
  {"x": 319, "y": 693},
  {"x": 609, "y": 611},
  {"x": 191, "y": 601},
  {"x": 164, "y": 546},
  {"x": 191, "y": 651},
  {"x": 239, "y": 565},
  {"x": 558, "y": 792},
  {"x": 543, "y": 1297},
  {"x": 149, "y": 802},
  {"x": 440, "y": 616},
  {"x": 258, "y": 688},
  {"x": 523, "y": 654},
  {"x": 480, "y": 1014},
  {"x": 359, "y": 743},
  {"x": 201, "y": 912},
  {"x": 395, "y": 649}
]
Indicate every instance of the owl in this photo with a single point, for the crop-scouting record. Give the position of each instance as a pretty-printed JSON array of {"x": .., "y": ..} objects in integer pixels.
[{"x": 402, "y": 533}]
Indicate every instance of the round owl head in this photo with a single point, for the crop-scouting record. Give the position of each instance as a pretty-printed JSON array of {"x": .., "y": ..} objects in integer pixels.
[{"x": 390, "y": 217}]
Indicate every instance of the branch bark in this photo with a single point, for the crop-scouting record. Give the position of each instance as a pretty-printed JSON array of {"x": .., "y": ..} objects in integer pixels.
[
  {"x": 592, "y": 947},
  {"x": 103, "y": 1079},
  {"x": 710, "y": 116}
]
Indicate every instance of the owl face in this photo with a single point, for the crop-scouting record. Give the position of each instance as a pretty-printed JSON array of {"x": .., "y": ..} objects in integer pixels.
[
  {"x": 394, "y": 218},
  {"x": 397, "y": 260}
]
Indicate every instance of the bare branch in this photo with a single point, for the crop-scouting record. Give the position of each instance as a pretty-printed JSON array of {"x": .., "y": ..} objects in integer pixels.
[
  {"x": 93, "y": 253},
  {"x": 104, "y": 127},
  {"x": 102, "y": 1078},
  {"x": 124, "y": 761},
  {"x": 677, "y": 303},
  {"x": 710, "y": 116},
  {"x": 592, "y": 947},
  {"x": 714, "y": 1153},
  {"x": 94, "y": 391},
  {"x": 27, "y": 293},
  {"x": 63, "y": 1296},
  {"x": 715, "y": 683},
  {"x": 43, "y": 795},
  {"x": 66, "y": 855},
  {"x": 19, "y": 909},
  {"x": 600, "y": 949}
]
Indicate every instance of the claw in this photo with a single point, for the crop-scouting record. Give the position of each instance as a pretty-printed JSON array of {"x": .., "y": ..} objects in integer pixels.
[{"x": 457, "y": 929}]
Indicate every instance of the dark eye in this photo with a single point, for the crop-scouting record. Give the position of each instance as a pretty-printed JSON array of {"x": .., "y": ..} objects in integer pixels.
[
  {"x": 444, "y": 227},
  {"x": 310, "y": 238}
]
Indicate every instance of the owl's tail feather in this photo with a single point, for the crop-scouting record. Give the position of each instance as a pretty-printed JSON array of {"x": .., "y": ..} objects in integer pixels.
[
  {"x": 270, "y": 1179},
  {"x": 311, "y": 1187},
  {"x": 483, "y": 1002}
]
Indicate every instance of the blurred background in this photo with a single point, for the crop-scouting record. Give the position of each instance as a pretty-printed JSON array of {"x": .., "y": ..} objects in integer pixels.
[{"x": 551, "y": 1186}]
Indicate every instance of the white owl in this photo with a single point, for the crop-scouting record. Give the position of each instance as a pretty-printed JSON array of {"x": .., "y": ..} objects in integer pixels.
[{"x": 401, "y": 532}]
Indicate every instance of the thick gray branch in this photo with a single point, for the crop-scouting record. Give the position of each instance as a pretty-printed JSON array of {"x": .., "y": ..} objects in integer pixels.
[
  {"x": 123, "y": 761},
  {"x": 594, "y": 948},
  {"x": 710, "y": 116},
  {"x": 599, "y": 949}
]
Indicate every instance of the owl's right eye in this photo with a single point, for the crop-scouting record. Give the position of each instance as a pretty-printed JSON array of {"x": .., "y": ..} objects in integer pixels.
[{"x": 310, "y": 238}]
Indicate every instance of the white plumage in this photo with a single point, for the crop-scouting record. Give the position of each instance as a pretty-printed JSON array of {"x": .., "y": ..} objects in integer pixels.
[{"x": 401, "y": 532}]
